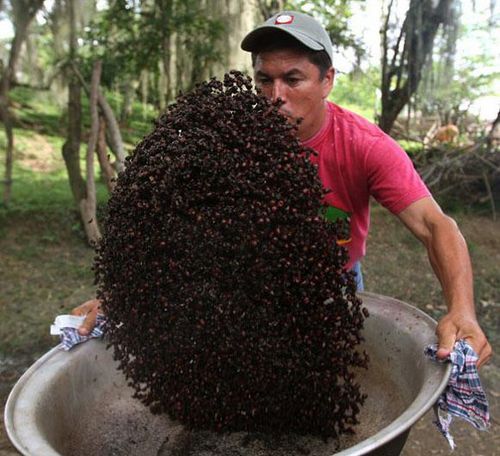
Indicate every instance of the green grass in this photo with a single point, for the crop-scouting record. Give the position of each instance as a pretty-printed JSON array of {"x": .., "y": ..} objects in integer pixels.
[
  {"x": 37, "y": 110},
  {"x": 45, "y": 270},
  {"x": 35, "y": 192},
  {"x": 412, "y": 148}
]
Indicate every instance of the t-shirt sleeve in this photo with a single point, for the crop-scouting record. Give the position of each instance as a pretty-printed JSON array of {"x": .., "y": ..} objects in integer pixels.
[{"x": 391, "y": 176}]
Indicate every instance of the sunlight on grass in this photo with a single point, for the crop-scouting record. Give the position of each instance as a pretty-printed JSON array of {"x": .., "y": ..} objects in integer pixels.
[
  {"x": 40, "y": 181},
  {"x": 411, "y": 147},
  {"x": 32, "y": 191}
]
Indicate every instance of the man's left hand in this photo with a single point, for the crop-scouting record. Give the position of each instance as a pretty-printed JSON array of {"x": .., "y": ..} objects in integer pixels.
[{"x": 455, "y": 326}]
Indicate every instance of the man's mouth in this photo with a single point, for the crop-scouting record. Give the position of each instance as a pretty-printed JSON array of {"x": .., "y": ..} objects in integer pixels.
[{"x": 286, "y": 113}]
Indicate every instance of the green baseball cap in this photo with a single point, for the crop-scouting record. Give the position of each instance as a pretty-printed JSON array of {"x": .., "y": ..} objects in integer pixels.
[{"x": 302, "y": 27}]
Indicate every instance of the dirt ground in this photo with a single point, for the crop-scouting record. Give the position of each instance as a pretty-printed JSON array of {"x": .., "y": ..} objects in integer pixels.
[{"x": 43, "y": 274}]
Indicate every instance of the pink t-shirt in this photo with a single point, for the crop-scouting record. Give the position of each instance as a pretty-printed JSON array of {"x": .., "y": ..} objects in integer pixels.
[{"x": 355, "y": 160}]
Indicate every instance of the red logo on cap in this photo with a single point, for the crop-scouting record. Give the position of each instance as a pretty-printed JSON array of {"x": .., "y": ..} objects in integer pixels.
[{"x": 284, "y": 19}]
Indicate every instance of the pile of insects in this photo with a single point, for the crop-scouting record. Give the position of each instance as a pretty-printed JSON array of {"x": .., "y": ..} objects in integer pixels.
[{"x": 228, "y": 304}]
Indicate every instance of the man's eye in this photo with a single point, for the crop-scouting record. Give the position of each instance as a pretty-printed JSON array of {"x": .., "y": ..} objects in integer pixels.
[
  {"x": 292, "y": 81},
  {"x": 264, "y": 81}
]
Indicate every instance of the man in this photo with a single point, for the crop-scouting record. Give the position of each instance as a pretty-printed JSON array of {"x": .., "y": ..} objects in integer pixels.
[{"x": 292, "y": 59}]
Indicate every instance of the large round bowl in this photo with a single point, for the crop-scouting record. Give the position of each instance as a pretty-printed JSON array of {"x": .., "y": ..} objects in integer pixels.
[{"x": 77, "y": 402}]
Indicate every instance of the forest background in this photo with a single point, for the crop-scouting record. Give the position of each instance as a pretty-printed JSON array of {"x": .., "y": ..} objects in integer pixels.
[{"x": 82, "y": 81}]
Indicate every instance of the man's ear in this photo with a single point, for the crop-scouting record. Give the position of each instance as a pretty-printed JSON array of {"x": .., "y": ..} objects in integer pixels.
[{"x": 328, "y": 82}]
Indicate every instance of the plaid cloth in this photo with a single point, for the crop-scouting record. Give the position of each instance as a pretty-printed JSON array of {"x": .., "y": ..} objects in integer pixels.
[
  {"x": 464, "y": 396},
  {"x": 70, "y": 336}
]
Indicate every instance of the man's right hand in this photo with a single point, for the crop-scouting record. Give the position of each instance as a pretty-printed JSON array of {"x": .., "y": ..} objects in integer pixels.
[{"x": 89, "y": 309}]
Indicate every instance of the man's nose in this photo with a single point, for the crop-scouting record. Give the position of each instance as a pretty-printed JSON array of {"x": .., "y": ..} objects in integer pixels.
[{"x": 278, "y": 91}]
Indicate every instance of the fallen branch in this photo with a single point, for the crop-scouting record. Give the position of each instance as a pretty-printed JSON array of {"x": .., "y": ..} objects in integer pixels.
[
  {"x": 490, "y": 195},
  {"x": 468, "y": 174}
]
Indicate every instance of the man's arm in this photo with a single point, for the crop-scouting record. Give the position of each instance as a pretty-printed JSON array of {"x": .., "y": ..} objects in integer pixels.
[{"x": 450, "y": 260}]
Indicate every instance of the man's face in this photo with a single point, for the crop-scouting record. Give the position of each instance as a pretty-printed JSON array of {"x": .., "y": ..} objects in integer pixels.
[{"x": 289, "y": 75}]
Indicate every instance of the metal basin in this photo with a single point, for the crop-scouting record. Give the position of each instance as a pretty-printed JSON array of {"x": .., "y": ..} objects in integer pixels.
[{"x": 79, "y": 403}]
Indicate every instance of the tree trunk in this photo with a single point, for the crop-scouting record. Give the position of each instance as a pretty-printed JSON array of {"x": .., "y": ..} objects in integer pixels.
[
  {"x": 24, "y": 12},
  {"x": 144, "y": 87},
  {"x": 30, "y": 63},
  {"x": 161, "y": 88},
  {"x": 57, "y": 21},
  {"x": 181, "y": 64},
  {"x": 402, "y": 72},
  {"x": 106, "y": 168},
  {"x": 9, "y": 156},
  {"x": 55, "y": 77},
  {"x": 163, "y": 10},
  {"x": 88, "y": 204},
  {"x": 166, "y": 11},
  {"x": 128, "y": 99},
  {"x": 71, "y": 148},
  {"x": 490, "y": 139}
]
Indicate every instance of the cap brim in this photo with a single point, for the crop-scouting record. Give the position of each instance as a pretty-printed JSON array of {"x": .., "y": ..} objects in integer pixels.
[{"x": 253, "y": 41}]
